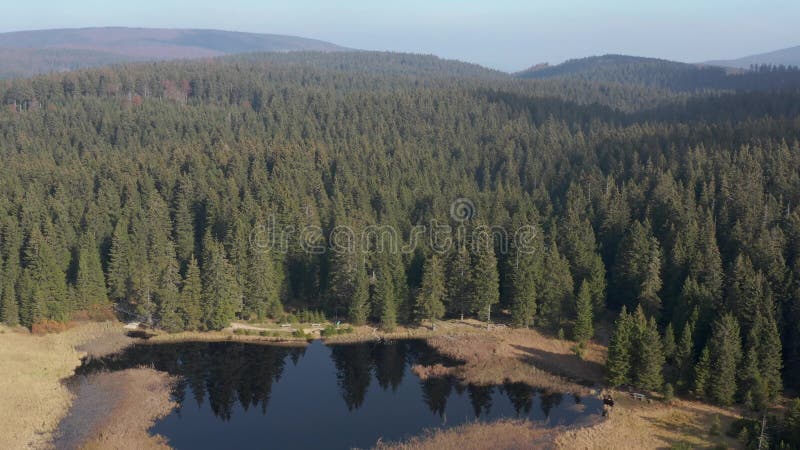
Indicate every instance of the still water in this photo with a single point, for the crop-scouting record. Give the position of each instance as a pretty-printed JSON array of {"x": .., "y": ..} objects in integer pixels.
[{"x": 236, "y": 395}]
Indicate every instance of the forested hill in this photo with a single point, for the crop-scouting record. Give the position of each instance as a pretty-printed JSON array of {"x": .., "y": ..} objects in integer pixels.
[
  {"x": 140, "y": 186},
  {"x": 786, "y": 57},
  {"x": 676, "y": 76},
  {"x": 24, "y": 53}
]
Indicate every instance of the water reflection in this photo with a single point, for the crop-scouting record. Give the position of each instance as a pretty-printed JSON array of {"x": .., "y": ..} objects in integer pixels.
[{"x": 358, "y": 393}]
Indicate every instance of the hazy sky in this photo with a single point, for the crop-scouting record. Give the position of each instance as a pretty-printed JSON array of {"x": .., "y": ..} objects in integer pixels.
[{"x": 505, "y": 34}]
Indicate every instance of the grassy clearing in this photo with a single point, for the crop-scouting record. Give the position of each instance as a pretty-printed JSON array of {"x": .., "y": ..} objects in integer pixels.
[
  {"x": 498, "y": 355},
  {"x": 635, "y": 425},
  {"x": 32, "y": 397}
]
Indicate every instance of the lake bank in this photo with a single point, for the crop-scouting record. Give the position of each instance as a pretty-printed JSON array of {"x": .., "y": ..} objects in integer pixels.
[{"x": 30, "y": 380}]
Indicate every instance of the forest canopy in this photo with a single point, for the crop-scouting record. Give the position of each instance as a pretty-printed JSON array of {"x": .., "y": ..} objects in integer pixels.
[{"x": 675, "y": 210}]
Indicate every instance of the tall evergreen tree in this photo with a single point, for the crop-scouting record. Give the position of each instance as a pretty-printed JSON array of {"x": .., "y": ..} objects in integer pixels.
[
  {"x": 385, "y": 297},
  {"x": 91, "y": 283},
  {"x": 484, "y": 281},
  {"x": 12, "y": 242},
  {"x": 458, "y": 285},
  {"x": 725, "y": 348},
  {"x": 221, "y": 294},
  {"x": 191, "y": 298},
  {"x": 262, "y": 294},
  {"x": 584, "y": 328},
  {"x": 620, "y": 350},
  {"x": 684, "y": 357},
  {"x": 557, "y": 289},
  {"x": 649, "y": 355},
  {"x": 429, "y": 304}
]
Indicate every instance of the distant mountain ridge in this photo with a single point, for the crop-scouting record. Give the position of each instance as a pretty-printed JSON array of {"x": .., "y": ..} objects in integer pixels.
[
  {"x": 787, "y": 57},
  {"x": 24, "y": 53},
  {"x": 663, "y": 74}
]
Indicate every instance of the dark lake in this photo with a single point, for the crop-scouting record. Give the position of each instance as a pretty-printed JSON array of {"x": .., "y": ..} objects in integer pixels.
[{"x": 236, "y": 395}]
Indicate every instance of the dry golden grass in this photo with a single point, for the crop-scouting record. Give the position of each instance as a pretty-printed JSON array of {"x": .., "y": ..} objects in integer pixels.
[
  {"x": 640, "y": 425},
  {"x": 501, "y": 435},
  {"x": 135, "y": 399},
  {"x": 494, "y": 356},
  {"x": 32, "y": 397}
]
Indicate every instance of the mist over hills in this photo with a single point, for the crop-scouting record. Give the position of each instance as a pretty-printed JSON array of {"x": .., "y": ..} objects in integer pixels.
[{"x": 25, "y": 53}]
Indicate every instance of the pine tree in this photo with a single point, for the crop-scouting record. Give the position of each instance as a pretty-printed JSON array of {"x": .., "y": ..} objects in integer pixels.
[
  {"x": 429, "y": 303},
  {"x": 183, "y": 230},
  {"x": 702, "y": 374},
  {"x": 12, "y": 242},
  {"x": 119, "y": 261},
  {"x": 458, "y": 285},
  {"x": 584, "y": 328},
  {"x": 669, "y": 344},
  {"x": 638, "y": 269},
  {"x": 485, "y": 281},
  {"x": 46, "y": 282},
  {"x": 726, "y": 351},
  {"x": 620, "y": 350},
  {"x": 765, "y": 341},
  {"x": 557, "y": 289},
  {"x": 358, "y": 308},
  {"x": 91, "y": 283},
  {"x": 262, "y": 294},
  {"x": 525, "y": 267},
  {"x": 649, "y": 360},
  {"x": 190, "y": 305},
  {"x": 221, "y": 294},
  {"x": 385, "y": 297},
  {"x": 684, "y": 356},
  {"x": 580, "y": 248}
]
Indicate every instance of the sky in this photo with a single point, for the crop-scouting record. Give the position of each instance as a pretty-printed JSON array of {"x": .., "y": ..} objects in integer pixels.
[{"x": 503, "y": 34}]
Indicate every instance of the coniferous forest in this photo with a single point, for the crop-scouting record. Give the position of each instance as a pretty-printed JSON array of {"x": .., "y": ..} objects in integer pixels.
[{"x": 667, "y": 212}]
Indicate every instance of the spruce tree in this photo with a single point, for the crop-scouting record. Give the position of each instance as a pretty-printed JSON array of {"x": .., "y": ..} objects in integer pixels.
[
  {"x": 183, "y": 230},
  {"x": 358, "y": 307},
  {"x": 669, "y": 344},
  {"x": 91, "y": 283},
  {"x": 620, "y": 350},
  {"x": 385, "y": 297},
  {"x": 191, "y": 301},
  {"x": 458, "y": 285},
  {"x": 221, "y": 294},
  {"x": 262, "y": 294},
  {"x": 557, "y": 289},
  {"x": 525, "y": 267},
  {"x": 119, "y": 261},
  {"x": 429, "y": 304},
  {"x": 584, "y": 328},
  {"x": 649, "y": 358},
  {"x": 46, "y": 281},
  {"x": 702, "y": 373},
  {"x": 684, "y": 356},
  {"x": 485, "y": 281},
  {"x": 12, "y": 242},
  {"x": 726, "y": 351}
]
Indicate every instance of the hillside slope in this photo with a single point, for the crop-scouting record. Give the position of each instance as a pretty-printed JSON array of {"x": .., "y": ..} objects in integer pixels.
[
  {"x": 26, "y": 53},
  {"x": 787, "y": 57}
]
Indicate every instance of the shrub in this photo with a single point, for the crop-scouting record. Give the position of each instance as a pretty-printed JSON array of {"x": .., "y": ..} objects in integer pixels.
[
  {"x": 669, "y": 392},
  {"x": 46, "y": 326}
]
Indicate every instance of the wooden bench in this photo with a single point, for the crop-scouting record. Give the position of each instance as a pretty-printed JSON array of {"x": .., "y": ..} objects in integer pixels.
[{"x": 637, "y": 396}]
